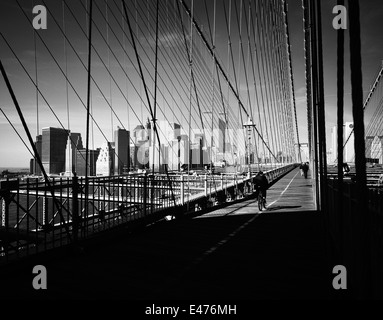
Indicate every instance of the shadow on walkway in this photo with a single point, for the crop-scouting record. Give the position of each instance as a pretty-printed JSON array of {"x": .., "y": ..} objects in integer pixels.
[{"x": 251, "y": 256}]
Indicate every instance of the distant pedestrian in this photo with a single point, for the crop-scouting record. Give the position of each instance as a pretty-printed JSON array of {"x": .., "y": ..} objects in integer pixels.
[
  {"x": 305, "y": 169},
  {"x": 346, "y": 168},
  {"x": 301, "y": 168}
]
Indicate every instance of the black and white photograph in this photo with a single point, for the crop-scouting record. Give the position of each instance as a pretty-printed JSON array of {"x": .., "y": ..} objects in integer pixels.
[{"x": 191, "y": 157}]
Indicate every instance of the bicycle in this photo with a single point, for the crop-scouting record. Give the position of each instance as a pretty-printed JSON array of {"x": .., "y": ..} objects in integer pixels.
[{"x": 261, "y": 200}]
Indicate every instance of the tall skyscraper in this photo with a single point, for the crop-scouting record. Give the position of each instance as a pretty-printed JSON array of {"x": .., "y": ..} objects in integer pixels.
[
  {"x": 54, "y": 141},
  {"x": 221, "y": 135},
  {"x": 121, "y": 151},
  {"x": 74, "y": 143},
  {"x": 80, "y": 161},
  {"x": 105, "y": 160}
]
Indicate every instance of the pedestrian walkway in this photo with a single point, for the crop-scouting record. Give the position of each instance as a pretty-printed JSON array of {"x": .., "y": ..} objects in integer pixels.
[{"x": 232, "y": 253}]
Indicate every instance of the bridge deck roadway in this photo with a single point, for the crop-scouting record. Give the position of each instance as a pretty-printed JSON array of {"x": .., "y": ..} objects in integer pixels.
[{"x": 231, "y": 253}]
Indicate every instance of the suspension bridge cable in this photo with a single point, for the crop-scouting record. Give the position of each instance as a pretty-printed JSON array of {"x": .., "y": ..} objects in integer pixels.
[
  {"x": 36, "y": 78},
  {"x": 291, "y": 76},
  {"x": 146, "y": 92},
  {"x": 281, "y": 82},
  {"x": 250, "y": 57},
  {"x": 190, "y": 92},
  {"x": 192, "y": 72},
  {"x": 163, "y": 83},
  {"x": 265, "y": 23},
  {"x": 17, "y": 132},
  {"x": 62, "y": 72},
  {"x": 80, "y": 60},
  {"x": 109, "y": 71},
  {"x": 26, "y": 129},
  {"x": 231, "y": 55},
  {"x": 125, "y": 63},
  {"x": 259, "y": 74},
  {"x": 70, "y": 156},
  {"x": 165, "y": 86},
  {"x": 155, "y": 91},
  {"x": 261, "y": 46},
  {"x": 288, "y": 90},
  {"x": 31, "y": 79},
  {"x": 110, "y": 80},
  {"x": 239, "y": 23}
]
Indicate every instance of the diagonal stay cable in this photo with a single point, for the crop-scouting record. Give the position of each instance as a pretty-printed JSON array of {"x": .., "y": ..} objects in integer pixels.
[{"x": 146, "y": 93}]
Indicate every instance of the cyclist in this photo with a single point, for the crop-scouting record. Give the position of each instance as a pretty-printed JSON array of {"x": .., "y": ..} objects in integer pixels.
[{"x": 262, "y": 184}]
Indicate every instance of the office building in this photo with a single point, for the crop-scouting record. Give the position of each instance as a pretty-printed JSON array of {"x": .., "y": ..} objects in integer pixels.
[
  {"x": 80, "y": 162},
  {"x": 74, "y": 143},
  {"x": 54, "y": 141},
  {"x": 105, "y": 160},
  {"x": 121, "y": 151}
]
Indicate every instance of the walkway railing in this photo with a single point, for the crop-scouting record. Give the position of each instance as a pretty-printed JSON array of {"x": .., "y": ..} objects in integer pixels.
[
  {"x": 36, "y": 218},
  {"x": 348, "y": 237}
]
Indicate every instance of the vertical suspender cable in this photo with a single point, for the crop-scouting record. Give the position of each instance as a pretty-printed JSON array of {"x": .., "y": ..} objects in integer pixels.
[
  {"x": 292, "y": 77},
  {"x": 155, "y": 91},
  {"x": 190, "y": 92},
  {"x": 256, "y": 49},
  {"x": 88, "y": 107},
  {"x": 37, "y": 92},
  {"x": 314, "y": 61},
  {"x": 213, "y": 89},
  {"x": 136, "y": 18},
  {"x": 321, "y": 112},
  {"x": 261, "y": 36},
  {"x": 363, "y": 222},
  {"x": 271, "y": 109},
  {"x": 37, "y": 156},
  {"x": 146, "y": 90},
  {"x": 110, "y": 78},
  {"x": 125, "y": 64},
  {"x": 340, "y": 119},
  {"x": 70, "y": 155}
]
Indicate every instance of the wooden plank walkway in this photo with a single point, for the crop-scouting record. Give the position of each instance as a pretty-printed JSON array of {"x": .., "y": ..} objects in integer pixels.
[{"x": 232, "y": 253}]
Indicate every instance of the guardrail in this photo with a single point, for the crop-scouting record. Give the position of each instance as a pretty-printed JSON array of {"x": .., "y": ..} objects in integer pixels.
[
  {"x": 344, "y": 227},
  {"x": 36, "y": 217}
]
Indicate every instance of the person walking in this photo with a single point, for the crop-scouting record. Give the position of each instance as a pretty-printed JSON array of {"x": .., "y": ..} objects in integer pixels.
[
  {"x": 301, "y": 168},
  {"x": 305, "y": 169}
]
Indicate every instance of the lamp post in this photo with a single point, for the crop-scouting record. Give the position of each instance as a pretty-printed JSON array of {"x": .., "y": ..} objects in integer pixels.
[{"x": 249, "y": 125}]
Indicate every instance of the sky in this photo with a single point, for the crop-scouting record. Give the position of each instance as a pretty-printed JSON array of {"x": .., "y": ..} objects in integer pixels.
[{"x": 19, "y": 33}]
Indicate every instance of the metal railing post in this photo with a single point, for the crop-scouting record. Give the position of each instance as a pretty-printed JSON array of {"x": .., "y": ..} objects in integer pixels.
[
  {"x": 182, "y": 185},
  {"x": 145, "y": 192},
  {"x": 45, "y": 210},
  {"x": 222, "y": 181},
  {"x": 75, "y": 190}
]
